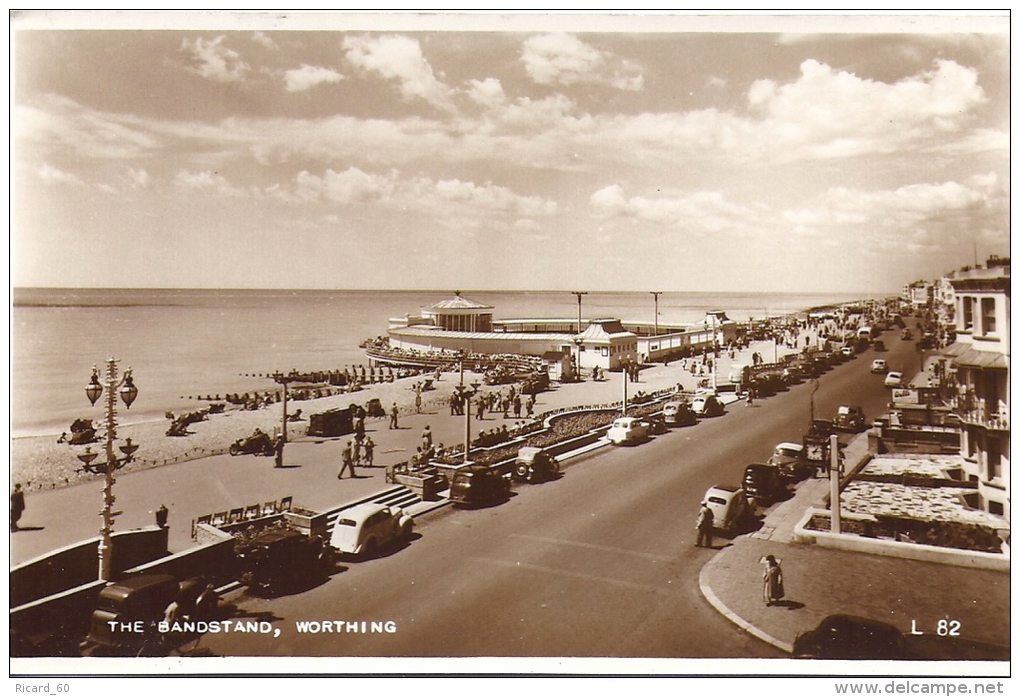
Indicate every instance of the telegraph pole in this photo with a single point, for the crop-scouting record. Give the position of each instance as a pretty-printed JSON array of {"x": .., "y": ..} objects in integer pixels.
[{"x": 579, "y": 293}]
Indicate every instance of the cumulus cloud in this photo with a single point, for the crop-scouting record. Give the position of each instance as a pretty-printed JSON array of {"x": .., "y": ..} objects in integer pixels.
[
  {"x": 214, "y": 61},
  {"x": 564, "y": 59},
  {"x": 308, "y": 76},
  {"x": 834, "y": 113},
  {"x": 886, "y": 218},
  {"x": 399, "y": 58},
  {"x": 488, "y": 92},
  {"x": 350, "y": 186}
]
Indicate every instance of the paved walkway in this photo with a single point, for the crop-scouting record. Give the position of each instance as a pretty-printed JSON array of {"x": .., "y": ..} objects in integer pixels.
[{"x": 911, "y": 595}]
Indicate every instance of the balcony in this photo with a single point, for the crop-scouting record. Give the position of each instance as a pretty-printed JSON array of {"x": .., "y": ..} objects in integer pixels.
[{"x": 974, "y": 412}]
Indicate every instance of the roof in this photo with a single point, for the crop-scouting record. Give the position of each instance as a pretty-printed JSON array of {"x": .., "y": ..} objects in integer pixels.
[
  {"x": 459, "y": 303},
  {"x": 361, "y": 511},
  {"x": 966, "y": 355},
  {"x": 604, "y": 330},
  {"x": 432, "y": 331}
]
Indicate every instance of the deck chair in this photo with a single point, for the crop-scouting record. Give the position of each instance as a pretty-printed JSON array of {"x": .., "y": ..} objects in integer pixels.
[
  {"x": 220, "y": 518},
  {"x": 286, "y": 502},
  {"x": 251, "y": 512},
  {"x": 236, "y": 515},
  {"x": 269, "y": 508}
]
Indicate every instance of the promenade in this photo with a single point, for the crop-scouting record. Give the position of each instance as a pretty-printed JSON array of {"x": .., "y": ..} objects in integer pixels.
[{"x": 819, "y": 582}]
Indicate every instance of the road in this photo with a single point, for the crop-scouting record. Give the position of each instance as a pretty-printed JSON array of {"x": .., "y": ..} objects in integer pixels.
[{"x": 599, "y": 563}]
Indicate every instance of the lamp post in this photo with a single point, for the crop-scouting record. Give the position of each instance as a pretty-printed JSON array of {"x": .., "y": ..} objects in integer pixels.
[
  {"x": 127, "y": 390},
  {"x": 814, "y": 381},
  {"x": 625, "y": 364},
  {"x": 285, "y": 380},
  {"x": 466, "y": 393},
  {"x": 656, "y": 294},
  {"x": 577, "y": 363},
  {"x": 579, "y": 293}
]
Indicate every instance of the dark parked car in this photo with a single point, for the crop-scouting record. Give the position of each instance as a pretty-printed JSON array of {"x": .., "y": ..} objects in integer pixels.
[
  {"x": 850, "y": 419},
  {"x": 535, "y": 465},
  {"x": 679, "y": 413},
  {"x": 145, "y": 599},
  {"x": 764, "y": 484},
  {"x": 279, "y": 556},
  {"x": 848, "y": 637},
  {"x": 478, "y": 485}
]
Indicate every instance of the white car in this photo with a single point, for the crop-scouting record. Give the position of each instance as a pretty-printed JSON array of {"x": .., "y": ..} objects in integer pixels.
[
  {"x": 707, "y": 405},
  {"x": 627, "y": 429},
  {"x": 363, "y": 529},
  {"x": 879, "y": 366},
  {"x": 894, "y": 379},
  {"x": 731, "y": 510}
]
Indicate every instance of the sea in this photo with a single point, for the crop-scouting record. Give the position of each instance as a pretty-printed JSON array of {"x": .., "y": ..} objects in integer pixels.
[{"x": 182, "y": 344}]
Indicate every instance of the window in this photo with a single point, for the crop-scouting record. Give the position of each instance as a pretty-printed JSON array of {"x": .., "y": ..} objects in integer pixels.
[
  {"x": 987, "y": 315},
  {"x": 968, "y": 313},
  {"x": 995, "y": 508}
]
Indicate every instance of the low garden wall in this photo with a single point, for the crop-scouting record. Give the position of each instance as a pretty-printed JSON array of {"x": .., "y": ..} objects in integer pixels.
[{"x": 892, "y": 548}]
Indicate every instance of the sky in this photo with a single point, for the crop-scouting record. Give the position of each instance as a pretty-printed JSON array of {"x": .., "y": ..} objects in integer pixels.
[{"x": 848, "y": 154}]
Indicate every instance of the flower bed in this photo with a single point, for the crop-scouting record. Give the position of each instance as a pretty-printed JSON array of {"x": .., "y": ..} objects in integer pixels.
[
  {"x": 562, "y": 427},
  {"x": 937, "y": 533}
]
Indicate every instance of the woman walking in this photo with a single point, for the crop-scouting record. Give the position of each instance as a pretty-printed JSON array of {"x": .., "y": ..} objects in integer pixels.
[{"x": 773, "y": 580}]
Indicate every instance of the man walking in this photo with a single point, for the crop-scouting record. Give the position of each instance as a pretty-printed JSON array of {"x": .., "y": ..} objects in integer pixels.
[
  {"x": 347, "y": 457},
  {"x": 369, "y": 452},
  {"x": 393, "y": 416}
]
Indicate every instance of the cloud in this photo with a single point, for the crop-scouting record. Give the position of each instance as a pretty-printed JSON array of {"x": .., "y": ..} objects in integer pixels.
[
  {"x": 887, "y": 218},
  {"x": 488, "y": 92},
  {"x": 703, "y": 211},
  {"x": 207, "y": 182},
  {"x": 50, "y": 174},
  {"x": 564, "y": 59},
  {"x": 399, "y": 58},
  {"x": 343, "y": 188},
  {"x": 214, "y": 61},
  {"x": 263, "y": 39},
  {"x": 308, "y": 76},
  {"x": 830, "y": 113},
  {"x": 137, "y": 178}
]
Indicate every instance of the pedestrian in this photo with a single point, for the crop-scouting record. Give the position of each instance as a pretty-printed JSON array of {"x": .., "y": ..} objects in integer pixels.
[
  {"x": 417, "y": 401},
  {"x": 347, "y": 461},
  {"x": 530, "y": 405},
  {"x": 356, "y": 455},
  {"x": 17, "y": 506},
  {"x": 480, "y": 410},
  {"x": 369, "y": 452},
  {"x": 426, "y": 438},
  {"x": 772, "y": 578},
  {"x": 453, "y": 404},
  {"x": 750, "y": 396},
  {"x": 393, "y": 416},
  {"x": 278, "y": 450},
  {"x": 517, "y": 406},
  {"x": 704, "y": 525}
]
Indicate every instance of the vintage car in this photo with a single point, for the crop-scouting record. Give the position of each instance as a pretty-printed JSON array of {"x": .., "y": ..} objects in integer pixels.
[
  {"x": 850, "y": 419},
  {"x": 478, "y": 485},
  {"x": 764, "y": 484},
  {"x": 535, "y": 465},
  {"x": 731, "y": 510},
  {"x": 879, "y": 366},
  {"x": 790, "y": 459},
  {"x": 707, "y": 405},
  {"x": 278, "y": 557},
  {"x": 678, "y": 413},
  {"x": 364, "y": 529},
  {"x": 627, "y": 430},
  {"x": 849, "y": 637},
  {"x": 144, "y": 601},
  {"x": 894, "y": 379}
]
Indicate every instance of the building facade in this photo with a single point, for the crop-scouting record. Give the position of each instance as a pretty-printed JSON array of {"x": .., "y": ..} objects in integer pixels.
[{"x": 980, "y": 359}]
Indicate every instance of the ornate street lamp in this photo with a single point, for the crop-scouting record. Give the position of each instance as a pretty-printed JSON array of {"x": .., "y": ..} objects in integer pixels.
[
  {"x": 128, "y": 392},
  {"x": 466, "y": 393}
]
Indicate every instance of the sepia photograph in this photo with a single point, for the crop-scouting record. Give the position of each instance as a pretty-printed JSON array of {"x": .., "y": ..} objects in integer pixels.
[{"x": 478, "y": 344}]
